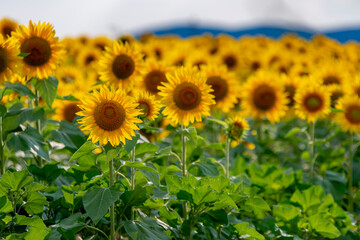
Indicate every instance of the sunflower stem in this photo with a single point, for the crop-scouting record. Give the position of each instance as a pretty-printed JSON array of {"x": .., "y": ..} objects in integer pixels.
[
  {"x": 111, "y": 183},
  {"x": 2, "y": 162},
  {"x": 227, "y": 156},
  {"x": 183, "y": 165},
  {"x": 350, "y": 166},
  {"x": 38, "y": 123},
  {"x": 311, "y": 150},
  {"x": 132, "y": 187}
]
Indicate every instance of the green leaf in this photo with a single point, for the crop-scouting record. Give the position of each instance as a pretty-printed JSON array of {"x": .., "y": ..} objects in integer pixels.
[
  {"x": 310, "y": 198},
  {"x": 130, "y": 144},
  {"x": 84, "y": 150},
  {"x": 21, "y": 89},
  {"x": 16, "y": 180},
  {"x": 145, "y": 148},
  {"x": 324, "y": 226},
  {"x": 48, "y": 173},
  {"x": 29, "y": 140},
  {"x": 293, "y": 131},
  {"x": 286, "y": 212},
  {"x": 134, "y": 198},
  {"x": 73, "y": 223},
  {"x": 35, "y": 203},
  {"x": 69, "y": 135},
  {"x": 146, "y": 229},
  {"x": 173, "y": 183},
  {"x": 37, "y": 228},
  {"x": 23, "y": 54},
  {"x": 245, "y": 231},
  {"x": 207, "y": 168},
  {"x": 334, "y": 110},
  {"x": 3, "y": 110},
  {"x": 47, "y": 89},
  {"x": 257, "y": 204},
  {"x": 222, "y": 123},
  {"x": 204, "y": 194},
  {"x": 97, "y": 201},
  {"x": 5, "y": 205},
  {"x": 190, "y": 133},
  {"x": 140, "y": 166}
]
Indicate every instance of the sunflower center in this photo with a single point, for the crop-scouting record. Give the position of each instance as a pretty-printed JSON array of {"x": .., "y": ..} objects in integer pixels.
[
  {"x": 89, "y": 59},
  {"x": 6, "y": 31},
  {"x": 144, "y": 106},
  {"x": 357, "y": 91},
  {"x": 39, "y": 51},
  {"x": 70, "y": 112},
  {"x": 67, "y": 79},
  {"x": 290, "y": 90},
  {"x": 123, "y": 66},
  {"x": 313, "y": 103},
  {"x": 331, "y": 80},
  {"x": 230, "y": 61},
  {"x": 335, "y": 96},
  {"x": 353, "y": 114},
  {"x": 255, "y": 65},
  {"x": 109, "y": 115},
  {"x": 236, "y": 130},
  {"x": 264, "y": 97},
  {"x": 187, "y": 96},
  {"x": 154, "y": 79},
  {"x": 199, "y": 63},
  {"x": 4, "y": 59},
  {"x": 179, "y": 62},
  {"x": 220, "y": 87}
]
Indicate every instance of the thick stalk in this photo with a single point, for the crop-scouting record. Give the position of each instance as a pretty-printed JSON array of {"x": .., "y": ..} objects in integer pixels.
[
  {"x": 350, "y": 177},
  {"x": 38, "y": 123},
  {"x": 2, "y": 160},
  {"x": 227, "y": 156},
  {"x": 132, "y": 180},
  {"x": 311, "y": 150},
  {"x": 112, "y": 212},
  {"x": 183, "y": 152}
]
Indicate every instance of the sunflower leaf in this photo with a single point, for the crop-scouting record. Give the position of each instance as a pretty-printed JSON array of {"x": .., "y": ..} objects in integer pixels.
[{"x": 47, "y": 89}]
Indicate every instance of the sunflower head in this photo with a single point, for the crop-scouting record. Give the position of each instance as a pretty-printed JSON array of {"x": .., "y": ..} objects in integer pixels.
[
  {"x": 186, "y": 96},
  {"x": 110, "y": 115},
  {"x": 154, "y": 75},
  {"x": 44, "y": 49},
  {"x": 237, "y": 127},
  {"x": 7, "y": 26},
  {"x": 349, "y": 119},
  {"x": 148, "y": 104},
  {"x": 65, "y": 110}
]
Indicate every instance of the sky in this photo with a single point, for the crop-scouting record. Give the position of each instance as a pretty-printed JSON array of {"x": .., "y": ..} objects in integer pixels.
[{"x": 116, "y": 17}]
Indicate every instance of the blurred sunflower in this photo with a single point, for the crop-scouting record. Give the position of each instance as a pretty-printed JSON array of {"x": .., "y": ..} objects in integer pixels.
[
  {"x": 109, "y": 115},
  {"x": 349, "y": 120},
  {"x": 336, "y": 92},
  {"x": 353, "y": 87},
  {"x": 65, "y": 110},
  {"x": 148, "y": 104},
  {"x": 154, "y": 75},
  {"x": 237, "y": 127},
  {"x": 186, "y": 96},
  {"x": 7, "y": 26},
  {"x": 224, "y": 85},
  {"x": 198, "y": 58},
  {"x": 332, "y": 73},
  {"x": 263, "y": 96},
  {"x": 228, "y": 55},
  {"x": 120, "y": 65},
  {"x": 312, "y": 101},
  {"x": 44, "y": 49},
  {"x": 101, "y": 42},
  {"x": 10, "y": 63},
  {"x": 88, "y": 57}
]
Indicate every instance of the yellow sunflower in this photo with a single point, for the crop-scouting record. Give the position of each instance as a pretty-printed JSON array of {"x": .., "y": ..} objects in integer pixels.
[
  {"x": 336, "y": 92},
  {"x": 237, "y": 127},
  {"x": 65, "y": 110},
  {"x": 312, "y": 101},
  {"x": 44, "y": 49},
  {"x": 10, "y": 63},
  {"x": 353, "y": 87},
  {"x": 148, "y": 104},
  {"x": 120, "y": 65},
  {"x": 263, "y": 96},
  {"x": 198, "y": 58},
  {"x": 229, "y": 55},
  {"x": 154, "y": 75},
  {"x": 109, "y": 115},
  {"x": 7, "y": 26},
  {"x": 224, "y": 85},
  {"x": 349, "y": 120},
  {"x": 101, "y": 42},
  {"x": 186, "y": 96},
  {"x": 333, "y": 72},
  {"x": 88, "y": 57}
]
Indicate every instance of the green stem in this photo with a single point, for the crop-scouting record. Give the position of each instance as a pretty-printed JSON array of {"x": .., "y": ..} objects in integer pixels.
[
  {"x": 132, "y": 180},
  {"x": 311, "y": 150},
  {"x": 183, "y": 151},
  {"x": 38, "y": 123},
  {"x": 96, "y": 229},
  {"x": 112, "y": 212},
  {"x": 350, "y": 166},
  {"x": 227, "y": 156},
  {"x": 2, "y": 162}
]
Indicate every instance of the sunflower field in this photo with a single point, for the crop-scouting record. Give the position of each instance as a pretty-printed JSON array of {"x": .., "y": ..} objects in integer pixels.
[{"x": 169, "y": 138}]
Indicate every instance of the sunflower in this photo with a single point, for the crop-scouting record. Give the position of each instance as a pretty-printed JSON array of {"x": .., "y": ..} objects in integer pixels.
[
  {"x": 353, "y": 87},
  {"x": 45, "y": 51},
  {"x": 263, "y": 96},
  {"x": 312, "y": 101},
  {"x": 154, "y": 75},
  {"x": 198, "y": 58},
  {"x": 224, "y": 85},
  {"x": 109, "y": 115},
  {"x": 10, "y": 63},
  {"x": 148, "y": 104},
  {"x": 336, "y": 92},
  {"x": 7, "y": 26},
  {"x": 120, "y": 65},
  {"x": 101, "y": 42},
  {"x": 349, "y": 120},
  {"x": 186, "y": 96},
  {"x": 88, "y": 57},
  {"x": 332, "y": 73},
  {"x": 237, "y": 127},
  {"x": 229, "y": 56},
  {"x": 65, "y": 110}
]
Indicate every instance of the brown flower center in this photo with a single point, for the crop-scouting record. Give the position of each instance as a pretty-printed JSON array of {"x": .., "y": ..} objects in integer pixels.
[
  {"x": 187, "y": 96},
  {"x": 123, "y": 66},
  {"x": 230, "y": 61},
  {"x": 220, "y": 87},
  {"x": 70, "y": 111},
  {"x": 6, "y": 31},
  {"x": 264, "y": 97},
  {"x": 154, "y": 79},
  {"x": 335, "y": 96},
  {"x": 290, "y": 90},
  {"x": 236, "y": 130},
  {"x": 313, "y": 103},
  {"x": 328, "y": 80},
  {"x": 109, "y": 115},
  {"x": 39, "y": 51},
  {"x": 4, "y": 59},
  {"x": 352, "y": 114},
  {"x": 357, "y": 91},
  {"x": 145, "y": 107},
  {"x": 89, "y": 59},
  {"x": 255, "y": 65}
]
